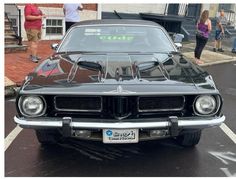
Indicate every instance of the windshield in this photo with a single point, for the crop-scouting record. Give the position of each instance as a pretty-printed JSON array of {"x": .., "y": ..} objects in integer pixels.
[{"x": 116, "y": 39}]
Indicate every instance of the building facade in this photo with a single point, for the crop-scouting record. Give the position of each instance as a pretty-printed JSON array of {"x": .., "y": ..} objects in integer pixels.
[
  {"x": 54, "y": 23},
  {"x": 174, "y": 9}
]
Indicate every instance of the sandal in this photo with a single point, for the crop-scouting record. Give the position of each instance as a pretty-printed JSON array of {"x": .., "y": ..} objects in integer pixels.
[{"x": 199, "y": 62}]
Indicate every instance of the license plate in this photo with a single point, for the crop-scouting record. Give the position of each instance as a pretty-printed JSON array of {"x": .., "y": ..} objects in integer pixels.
[{"x": 120, "y": 135}]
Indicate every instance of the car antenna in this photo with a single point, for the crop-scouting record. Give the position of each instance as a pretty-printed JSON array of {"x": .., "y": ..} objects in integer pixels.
[{"x": 117, "y": 14}]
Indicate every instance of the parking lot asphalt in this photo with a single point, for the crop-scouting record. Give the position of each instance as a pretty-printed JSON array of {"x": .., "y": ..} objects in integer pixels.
[
  {"x": 156, "y": 158},
  {"x": 214, "y": 156},
  {"x": 225, "y": 79}
]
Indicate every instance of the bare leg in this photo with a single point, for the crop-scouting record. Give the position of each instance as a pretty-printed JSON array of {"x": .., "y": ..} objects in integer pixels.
[
  {"x": 34, "y": 47},
  {"x": 30, "y": 51},
  {"x": 33, "y": 51},
  {"x": 215, "y": 43},
  {"x": 219, "y": 46}
]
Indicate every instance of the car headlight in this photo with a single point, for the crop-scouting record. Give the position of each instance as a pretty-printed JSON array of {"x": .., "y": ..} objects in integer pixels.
[
  {"x": 205, "y": 105},
  {"x": 32, "y": 106}
]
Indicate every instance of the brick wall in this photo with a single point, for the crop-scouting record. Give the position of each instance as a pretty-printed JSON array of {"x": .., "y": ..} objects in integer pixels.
[
  {"x": 92, "y": 7},
  {"x": 89, "y": 6}
]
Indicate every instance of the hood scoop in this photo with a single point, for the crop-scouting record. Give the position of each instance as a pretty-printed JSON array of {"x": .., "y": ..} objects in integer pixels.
[
  {"x": 90, "y": 65},
  {"x": 113, "y": 68}
]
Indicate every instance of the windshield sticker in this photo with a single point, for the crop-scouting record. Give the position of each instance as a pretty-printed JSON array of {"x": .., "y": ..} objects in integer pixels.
[
  {"x": 92, "y": 32},
  {"x": 116, "y": 38}
]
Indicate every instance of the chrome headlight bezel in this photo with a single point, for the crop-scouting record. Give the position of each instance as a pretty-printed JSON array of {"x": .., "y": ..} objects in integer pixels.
[
  {"x": 215, "y": 99},
  {"x": 21, "y": 101}
]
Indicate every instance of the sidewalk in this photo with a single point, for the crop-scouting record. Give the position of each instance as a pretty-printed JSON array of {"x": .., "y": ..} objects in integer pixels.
[
  {"x": 9, "y": 87},
  {"x": 208, "y": 56},
  {"x": 18, "y": 65}
]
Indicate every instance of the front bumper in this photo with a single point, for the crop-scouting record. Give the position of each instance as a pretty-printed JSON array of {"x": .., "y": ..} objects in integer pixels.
[{"x": 182, "y": 123}]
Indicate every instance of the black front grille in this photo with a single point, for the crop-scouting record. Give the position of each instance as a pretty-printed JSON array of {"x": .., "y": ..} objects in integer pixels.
[
  {"x": 80, "y": 104},
  {"x": 161, "y": 103},
  {"x": 120, "y": 107}
]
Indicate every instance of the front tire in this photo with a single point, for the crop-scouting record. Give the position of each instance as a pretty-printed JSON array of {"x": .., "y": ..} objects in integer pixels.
[
  {"x": 189, "y": 139},
  {"x": 47, "y": 137}
]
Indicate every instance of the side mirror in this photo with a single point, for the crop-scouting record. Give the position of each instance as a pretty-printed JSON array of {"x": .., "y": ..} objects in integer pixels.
[
  {"x": 178, "y": 45},
  {"x": 178, "y": 38},
  {"x": 54, "y": 46}
]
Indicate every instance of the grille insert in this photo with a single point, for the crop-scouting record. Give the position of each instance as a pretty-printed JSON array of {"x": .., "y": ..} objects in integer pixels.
[
  {"x": 161, "y": 103},
  {"x": 80, "y": 104},
  {"x": 121, "y": 107}
]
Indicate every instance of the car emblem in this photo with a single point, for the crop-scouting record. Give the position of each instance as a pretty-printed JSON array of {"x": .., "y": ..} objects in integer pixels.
[{"x": 119, "y": 90}]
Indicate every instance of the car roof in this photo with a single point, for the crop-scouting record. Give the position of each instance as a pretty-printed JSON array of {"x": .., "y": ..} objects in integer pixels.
[{"x": 117, "y": 21}]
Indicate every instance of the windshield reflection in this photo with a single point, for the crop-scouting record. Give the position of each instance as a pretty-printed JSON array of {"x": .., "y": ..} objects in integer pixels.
[{"x": 116, "y": 39}]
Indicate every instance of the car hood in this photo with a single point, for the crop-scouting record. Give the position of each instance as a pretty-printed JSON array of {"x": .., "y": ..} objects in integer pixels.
[{"x": 121, "y": 72}]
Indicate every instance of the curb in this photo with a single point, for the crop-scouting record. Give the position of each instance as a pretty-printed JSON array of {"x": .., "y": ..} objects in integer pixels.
[
  {"x": 216, "y": 63},
  {"x": 10, "y": 91}
]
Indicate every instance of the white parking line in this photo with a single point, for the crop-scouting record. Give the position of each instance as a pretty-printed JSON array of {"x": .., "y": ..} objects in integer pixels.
[
  {"x": 12, "y": 100},
  {"x": 15, "y": 132},
  {"x": 228, "y": 132},
  {"x": 11, "y": 137}
]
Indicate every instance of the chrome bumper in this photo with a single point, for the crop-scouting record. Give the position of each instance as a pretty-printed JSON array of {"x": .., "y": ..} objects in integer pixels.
[{"x": 200, "y": 123}]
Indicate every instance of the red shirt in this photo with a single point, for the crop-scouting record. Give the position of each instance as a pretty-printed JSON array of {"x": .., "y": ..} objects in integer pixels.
[{"x": 33, "y": 10}]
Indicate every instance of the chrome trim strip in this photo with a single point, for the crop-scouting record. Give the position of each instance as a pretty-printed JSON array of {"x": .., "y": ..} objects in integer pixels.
[
  {"x": 115, "y": 94},
  {"x": 77, "y": 110},
  {"x": 123, "y": 125},
  {"x": 159, "y": 110}
]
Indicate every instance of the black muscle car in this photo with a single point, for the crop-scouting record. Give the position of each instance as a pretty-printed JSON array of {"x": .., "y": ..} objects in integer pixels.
[{"x": 118, "y": 81}]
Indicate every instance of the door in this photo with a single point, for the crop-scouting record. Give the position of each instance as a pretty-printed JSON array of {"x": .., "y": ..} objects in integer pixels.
[
  {"x": 173, "y": 9},
  {"x": 194, "y": 10}
]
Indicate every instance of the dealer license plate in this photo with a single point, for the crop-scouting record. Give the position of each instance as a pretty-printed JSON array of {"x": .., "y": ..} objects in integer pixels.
[{"x": 120, "y": 135}]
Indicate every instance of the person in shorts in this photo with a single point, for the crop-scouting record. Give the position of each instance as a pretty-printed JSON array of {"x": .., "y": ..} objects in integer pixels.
[
  {"x": 71, "y": 14},
  {"x": 33, "y": 28},
  {"x": 221, "y": 22}
]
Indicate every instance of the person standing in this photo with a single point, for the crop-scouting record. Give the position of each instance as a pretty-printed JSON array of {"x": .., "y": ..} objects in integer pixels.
[
  {"x": 202, "y": 35},
  {"x": 71, "y": 14},
  {"x": 33, "y": 27},
  {"x": 221, "y": 22}
]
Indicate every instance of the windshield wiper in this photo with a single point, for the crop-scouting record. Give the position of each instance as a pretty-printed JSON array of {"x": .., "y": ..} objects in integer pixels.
[
  {"x": 125, "y": 52},
  {"x": 81, "y": 52},
  {"x": 94, "y": 66},
  {"x": 146, "y": 66}
]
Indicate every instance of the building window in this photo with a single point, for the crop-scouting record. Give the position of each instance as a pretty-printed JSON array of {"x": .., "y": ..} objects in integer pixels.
[
  {"x": 54, "y": 27},
  {"x": 226, "y": 7}
]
